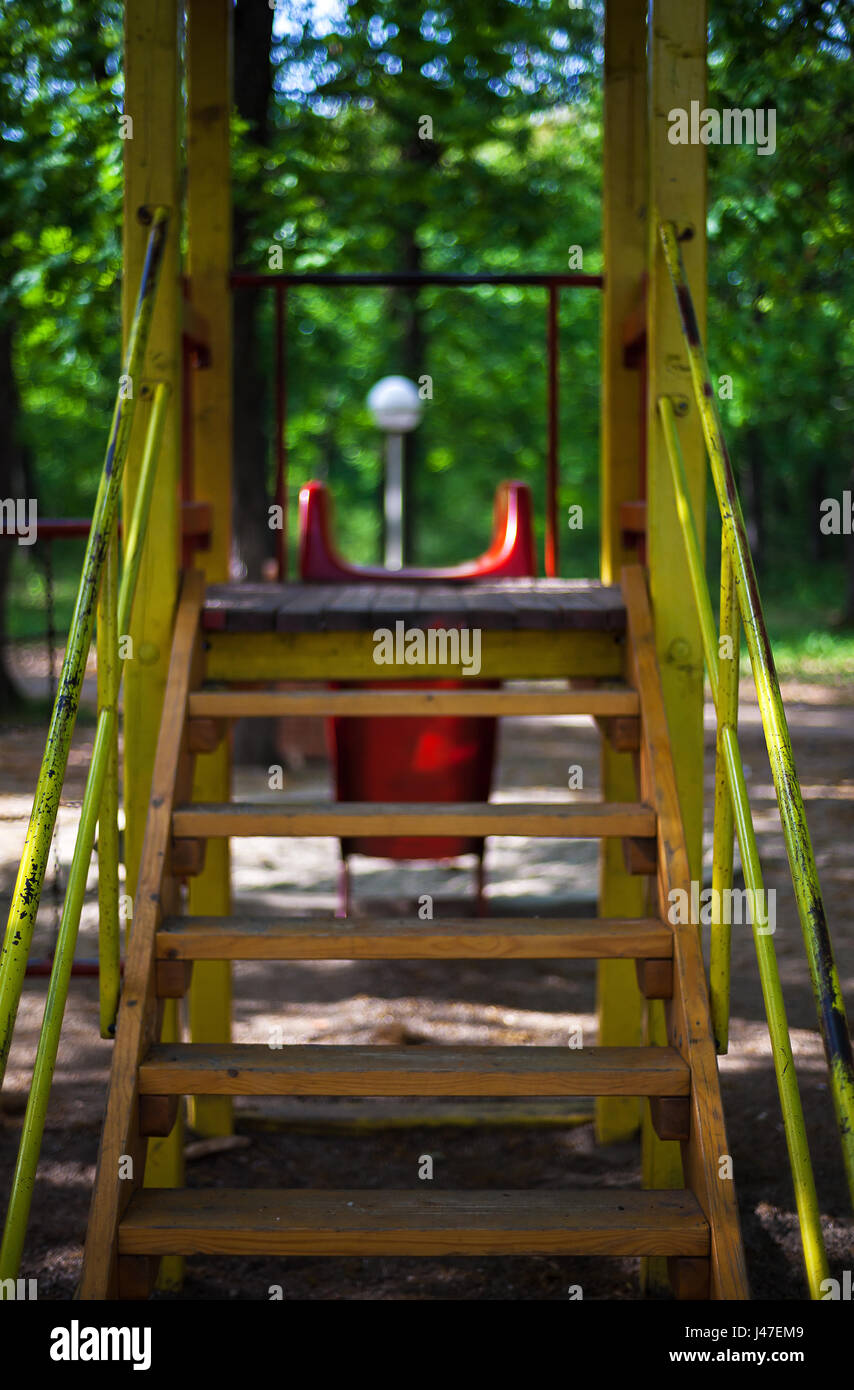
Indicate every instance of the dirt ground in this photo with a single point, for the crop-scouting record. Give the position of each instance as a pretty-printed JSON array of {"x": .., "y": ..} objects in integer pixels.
[{"x": 454, "y": 1002}]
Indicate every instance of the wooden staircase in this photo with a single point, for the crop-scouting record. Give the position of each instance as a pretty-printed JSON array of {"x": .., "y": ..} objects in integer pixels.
[{"x": 131, "y": 1227}]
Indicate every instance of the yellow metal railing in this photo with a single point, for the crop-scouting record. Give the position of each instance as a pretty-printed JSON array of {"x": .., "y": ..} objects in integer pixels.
[
  {"x": 101, "y": 793},
  {"x": 740, "y": 596}
]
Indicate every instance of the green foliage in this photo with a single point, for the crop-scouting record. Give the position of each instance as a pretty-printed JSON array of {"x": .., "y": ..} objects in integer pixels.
[
  {"x": 510, "y": 181},
  {"x": 781, "y": 270},
  {"x": 60, "y": 234}
]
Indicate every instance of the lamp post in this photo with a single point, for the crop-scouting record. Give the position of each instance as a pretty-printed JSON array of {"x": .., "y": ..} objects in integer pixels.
[{"x": 396, "y": 407}]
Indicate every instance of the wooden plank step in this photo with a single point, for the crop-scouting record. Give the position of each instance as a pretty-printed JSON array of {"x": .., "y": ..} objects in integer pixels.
[
  {"x": 584, "y": 820},
  {"x": 226, "y": 1221},
  {"x": 313, "y": 938},
  {"x": 254, "y": 1069},
  {"x": 272, "y": 704},
  {"x": 372, "y": 1114}
]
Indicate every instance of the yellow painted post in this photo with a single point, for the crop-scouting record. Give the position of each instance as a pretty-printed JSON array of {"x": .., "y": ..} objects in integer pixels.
[
  {"x": 624, "y": 192},
  {"x": 209, "y": 266},
  {"x": 619, "y": 1003},
  {"x": 152, "y": 176},
  {"x": 677, "y": 191}
]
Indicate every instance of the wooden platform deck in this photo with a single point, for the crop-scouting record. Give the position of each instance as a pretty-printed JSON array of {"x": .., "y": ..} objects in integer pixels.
[{"x": 581, "y": 605}]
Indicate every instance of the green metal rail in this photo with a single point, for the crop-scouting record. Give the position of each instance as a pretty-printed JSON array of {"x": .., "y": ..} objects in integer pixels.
[
  {"x": 101, "y": 790},
  {"x": 738, "y": 581},
  {"x": 729, "y": 772}
]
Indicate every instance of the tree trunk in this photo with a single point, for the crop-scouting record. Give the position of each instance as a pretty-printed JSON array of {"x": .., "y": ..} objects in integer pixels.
[
  {"x": 254, "y": 739},
  {"x": 817, "y": 494},
  {"x": 413, "y": 367},
  {"x": 848, "y": 614},
  {"x": 12, "y": 475},
  {"x": 253, "y": 89},
  {"x": 754, "y": 500},
  {"x": 420, "y": 156}
]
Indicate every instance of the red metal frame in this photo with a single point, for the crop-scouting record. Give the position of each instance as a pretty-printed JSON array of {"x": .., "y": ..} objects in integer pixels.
[{"x": 552, "y": 283}]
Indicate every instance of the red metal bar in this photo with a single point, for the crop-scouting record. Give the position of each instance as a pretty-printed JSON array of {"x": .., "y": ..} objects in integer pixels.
[
  {"x": 80, "y": 967},
  {"x": 281, "y": 446},
  {"x": 195, "y": 522},
  {"x": 57, "y": 528},
  {"x": 551, "y": 540}
]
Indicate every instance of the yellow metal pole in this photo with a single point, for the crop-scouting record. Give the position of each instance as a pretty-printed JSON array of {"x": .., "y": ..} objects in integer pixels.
[
  {"x": 28, "y": 885},
  {"x": 618, "y": 998},
  {"x": 677, "y": 188},
  {"x": 723, "y": 835},
  {"x": 209, "y": 266},
  {"x": 23, "y": 1181},
  {"x": 816, "y": 934},
  {"x": 815, "y": 1257},
  {"x": 151, "y": 172},
  {"x": 109, "y": 945},
  {"x": 794, "y": 1125}
]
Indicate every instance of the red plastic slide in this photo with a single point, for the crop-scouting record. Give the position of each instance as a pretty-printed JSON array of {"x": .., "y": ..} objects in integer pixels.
[{"x": 417, "y": 759}]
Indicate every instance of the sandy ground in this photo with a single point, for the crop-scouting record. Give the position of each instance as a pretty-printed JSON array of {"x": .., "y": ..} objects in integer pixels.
[{"x": 500, "y": 1001}]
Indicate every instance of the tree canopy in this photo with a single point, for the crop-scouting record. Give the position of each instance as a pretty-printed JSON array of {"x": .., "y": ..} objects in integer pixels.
[{"x": 384, "y": 135}]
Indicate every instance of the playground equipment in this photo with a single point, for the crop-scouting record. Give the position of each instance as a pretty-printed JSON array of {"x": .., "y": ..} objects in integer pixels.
[
  {"x": 426, "y": 758},
  {"x": 632, "y": 646}
]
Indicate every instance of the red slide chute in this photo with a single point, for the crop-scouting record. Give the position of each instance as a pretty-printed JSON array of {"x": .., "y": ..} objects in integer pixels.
[{"x": 416, "y": 759}]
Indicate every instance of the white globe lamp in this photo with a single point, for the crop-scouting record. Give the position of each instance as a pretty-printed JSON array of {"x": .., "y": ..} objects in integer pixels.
[{"x": 396, "y": 407}]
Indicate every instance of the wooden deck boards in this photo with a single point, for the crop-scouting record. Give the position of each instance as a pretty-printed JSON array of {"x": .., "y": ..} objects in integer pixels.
[{"x": 553, "y": 605}]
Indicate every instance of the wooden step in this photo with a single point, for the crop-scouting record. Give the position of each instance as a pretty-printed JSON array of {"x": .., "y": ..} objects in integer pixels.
[
  {"x": 254, "y": 1069},
  {"x": 581, "y": 820},
  {"x": 313, "y": 938},
  {"x": 273, "y": 704},
  {"x": 224, "y": 1221},
  {"x": 375, "y": 1114}
]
